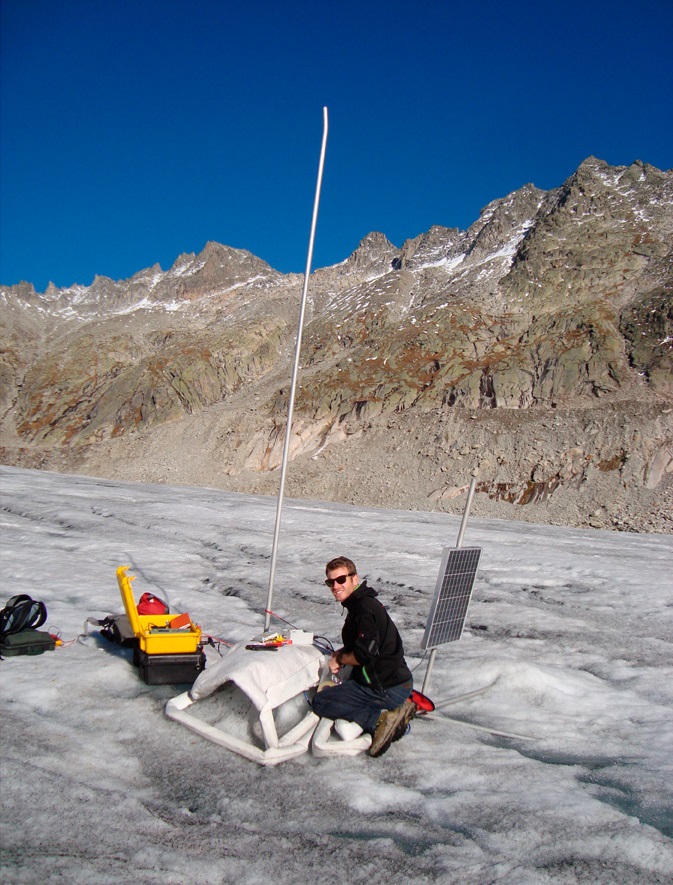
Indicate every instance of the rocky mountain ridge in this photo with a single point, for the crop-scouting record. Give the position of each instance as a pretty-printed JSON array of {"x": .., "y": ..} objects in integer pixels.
[{"x": 535, "y": 348}]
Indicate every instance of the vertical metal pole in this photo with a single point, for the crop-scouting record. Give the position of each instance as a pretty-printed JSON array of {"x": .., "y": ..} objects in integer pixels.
[
  {"x": 295, "y": 370},
  {"x": 466, "y": 511},
  {"x": 459, "y": 543},
  {"x": 431, "y": 664}
]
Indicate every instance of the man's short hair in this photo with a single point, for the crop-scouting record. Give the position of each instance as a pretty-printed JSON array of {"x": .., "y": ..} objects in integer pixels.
[{"x": 341, "y": 562}]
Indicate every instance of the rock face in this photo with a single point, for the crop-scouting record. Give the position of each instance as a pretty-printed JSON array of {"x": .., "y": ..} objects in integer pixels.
[{"x": 536, "y": 347}]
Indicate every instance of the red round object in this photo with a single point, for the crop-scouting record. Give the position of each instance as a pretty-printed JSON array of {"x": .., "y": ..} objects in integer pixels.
[{"x": 151, "y": 605}]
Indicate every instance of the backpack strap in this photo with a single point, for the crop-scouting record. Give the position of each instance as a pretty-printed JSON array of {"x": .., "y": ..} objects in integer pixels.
[{"x": 22, "y": 613}]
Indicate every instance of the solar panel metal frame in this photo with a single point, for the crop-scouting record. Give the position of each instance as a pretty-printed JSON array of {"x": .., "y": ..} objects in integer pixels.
[{"x": 453, "y": 593}]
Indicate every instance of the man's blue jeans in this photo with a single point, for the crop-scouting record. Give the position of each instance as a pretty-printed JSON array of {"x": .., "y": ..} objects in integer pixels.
[{"x": 359, "y": 703}]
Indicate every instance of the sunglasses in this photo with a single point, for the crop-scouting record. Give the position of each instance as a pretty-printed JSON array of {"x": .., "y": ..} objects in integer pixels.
[{"x": 340, "y": 580}]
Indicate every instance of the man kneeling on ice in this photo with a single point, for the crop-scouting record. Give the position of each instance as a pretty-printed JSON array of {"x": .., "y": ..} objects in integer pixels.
[{"x": 376, "y": 695}]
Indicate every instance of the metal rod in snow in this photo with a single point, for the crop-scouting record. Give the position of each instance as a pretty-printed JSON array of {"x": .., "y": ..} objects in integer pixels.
[
  {"x": 431, "y": 664},
  {"x": 295, "y": 370},
  {"x": 466, "y": 511}
]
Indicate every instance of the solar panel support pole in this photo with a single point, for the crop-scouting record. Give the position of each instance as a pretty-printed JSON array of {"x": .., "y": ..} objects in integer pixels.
[
  {"x": 295, "y": 371},
  {"x": 431, "y": 664},
  {"x": 459, "y": 543},
  {"x": 466, "y": 511}
]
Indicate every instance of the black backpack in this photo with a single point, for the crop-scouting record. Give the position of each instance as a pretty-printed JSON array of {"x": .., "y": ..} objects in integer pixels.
[{"x": 21, "y": 613}]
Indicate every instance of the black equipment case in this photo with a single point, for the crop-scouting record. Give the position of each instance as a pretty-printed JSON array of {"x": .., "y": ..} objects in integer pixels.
[
  {"x": 169, "y": 669},
  {"x": 26, "y": 642}
]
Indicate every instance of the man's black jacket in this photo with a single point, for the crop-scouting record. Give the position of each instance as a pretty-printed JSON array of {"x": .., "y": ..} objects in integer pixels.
[{"x": 371, "y": 636}]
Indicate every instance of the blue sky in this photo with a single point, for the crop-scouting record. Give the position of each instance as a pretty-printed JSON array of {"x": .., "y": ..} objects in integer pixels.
[{"x": 134, "y": 130}]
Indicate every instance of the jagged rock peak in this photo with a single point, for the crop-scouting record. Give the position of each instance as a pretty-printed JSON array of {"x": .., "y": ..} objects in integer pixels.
[
  {"x": 503, "y": 222},
  {"x": 625, "y": 194},
  {"x": 437, "y": 244},
  {"x": 216, "y": 255},
  {"x": 217, "y": 251},
  {"x": 23, "y": 291},
  {"x": 147, "y": 272},
  {"x": 593, "y": 171},
  {"x": 375, "y": 251},
  {"x": 520, "y": 202}
]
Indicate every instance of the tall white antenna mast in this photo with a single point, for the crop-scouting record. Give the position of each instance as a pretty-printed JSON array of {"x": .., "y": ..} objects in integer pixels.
[{"x": 295, "y": 370}]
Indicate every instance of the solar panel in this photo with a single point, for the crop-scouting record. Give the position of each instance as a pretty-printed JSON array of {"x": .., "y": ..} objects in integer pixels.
[{"x": 452, "y": 596}]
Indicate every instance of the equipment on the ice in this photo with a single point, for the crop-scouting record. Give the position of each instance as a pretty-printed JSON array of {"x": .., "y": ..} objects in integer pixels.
[
  {"x": 19, "y": 620},
  {"x": 423, "y": 703},
  {"x": 453, "y": 591},
  {"x": 148, "y": 604},
  {"x": 167, "y": 648},
  {"x": 259, "y": 710},
  {"x": 114, "y": 628},
  {"x": 156, "y": 633},
  {"x": 26, "y": 642},
  {"x": 21, "y": 612}
]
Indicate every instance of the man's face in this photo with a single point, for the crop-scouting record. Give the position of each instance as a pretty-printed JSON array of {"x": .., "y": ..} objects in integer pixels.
[{"x": 341, "y": 591}]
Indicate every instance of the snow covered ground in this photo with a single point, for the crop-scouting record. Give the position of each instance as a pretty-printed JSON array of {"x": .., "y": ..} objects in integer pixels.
[{"x": 572, "y": 631}]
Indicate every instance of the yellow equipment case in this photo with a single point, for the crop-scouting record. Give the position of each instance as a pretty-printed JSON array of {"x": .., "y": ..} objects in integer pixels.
[{"x": 166, "y": 653}]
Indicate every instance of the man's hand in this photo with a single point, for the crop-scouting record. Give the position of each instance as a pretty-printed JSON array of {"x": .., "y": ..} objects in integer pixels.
[{"x": 341, "y": 659}]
